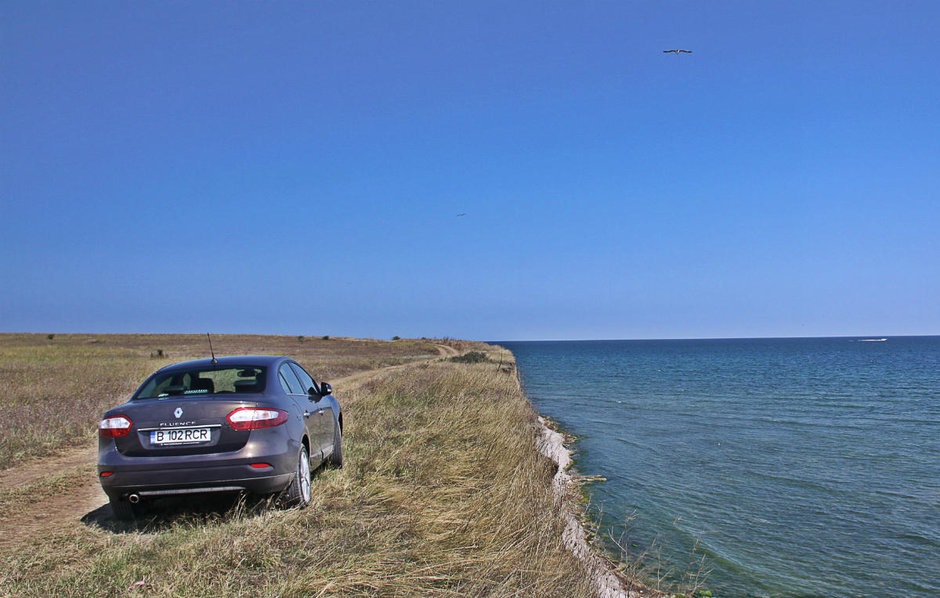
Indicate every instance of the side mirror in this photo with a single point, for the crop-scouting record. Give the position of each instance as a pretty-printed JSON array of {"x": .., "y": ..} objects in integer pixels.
[{"x": 325, "y": 389}]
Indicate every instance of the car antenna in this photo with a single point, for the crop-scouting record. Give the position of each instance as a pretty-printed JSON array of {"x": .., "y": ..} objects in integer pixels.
[{"x": 214, "y": 360}]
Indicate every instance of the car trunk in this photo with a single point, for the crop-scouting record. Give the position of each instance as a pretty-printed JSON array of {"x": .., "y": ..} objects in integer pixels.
[{"x": 165, "y": 427}]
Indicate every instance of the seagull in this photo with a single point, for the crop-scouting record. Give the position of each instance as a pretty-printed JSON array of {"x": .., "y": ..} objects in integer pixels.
[{"x": 676, "y": 52}]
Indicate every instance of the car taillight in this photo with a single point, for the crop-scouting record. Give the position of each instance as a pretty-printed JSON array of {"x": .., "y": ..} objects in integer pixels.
[
  {"x": 116, "y": 426},
  {"x": 253, "y": 418}
]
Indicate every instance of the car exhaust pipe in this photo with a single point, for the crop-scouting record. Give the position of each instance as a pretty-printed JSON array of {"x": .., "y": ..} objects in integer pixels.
[{"x": 134, "y": 498}]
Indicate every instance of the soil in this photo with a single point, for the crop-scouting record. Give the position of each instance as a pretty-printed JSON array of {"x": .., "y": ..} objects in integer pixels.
[
  {"x": 46, "y": 516},
  {"x": 36, "y": 470}
]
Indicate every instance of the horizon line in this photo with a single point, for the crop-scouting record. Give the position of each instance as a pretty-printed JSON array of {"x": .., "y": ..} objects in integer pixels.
[
  {"x": 514, "y": 340},
  {"x": 715, "y": 338}
]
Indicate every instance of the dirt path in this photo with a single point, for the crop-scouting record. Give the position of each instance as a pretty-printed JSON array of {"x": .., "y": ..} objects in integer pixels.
[
  {"x": 33, "y": 510},
  {"x": 447, "y": 350},
  {"x": 352, "y": 380},
  {"x": 54, "y": 512},
  {"x": 37, "y": 470}
]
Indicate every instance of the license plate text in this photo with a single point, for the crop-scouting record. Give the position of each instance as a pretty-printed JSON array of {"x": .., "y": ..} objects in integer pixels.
[{"x": 180, "y": 436}]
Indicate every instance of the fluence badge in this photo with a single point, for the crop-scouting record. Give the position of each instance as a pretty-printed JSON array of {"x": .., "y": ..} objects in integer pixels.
[{"x": 178, "y": 413}]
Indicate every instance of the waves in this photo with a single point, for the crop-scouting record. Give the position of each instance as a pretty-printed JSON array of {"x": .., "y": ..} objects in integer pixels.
[{"x": 796, "y": 466}]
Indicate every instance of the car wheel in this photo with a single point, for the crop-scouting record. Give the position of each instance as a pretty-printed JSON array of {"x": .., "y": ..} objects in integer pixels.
[
  {"x": 298, "y": 493},
  {"x": 336, "y": 459},
  {"x": 122, "y": 510}
]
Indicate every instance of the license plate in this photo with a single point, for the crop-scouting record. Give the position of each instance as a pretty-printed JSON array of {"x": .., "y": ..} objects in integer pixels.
[{"x": 180, "y": 436}]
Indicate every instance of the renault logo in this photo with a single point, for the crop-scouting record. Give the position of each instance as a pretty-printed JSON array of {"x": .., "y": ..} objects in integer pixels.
[{"x": 178, "y": 413}]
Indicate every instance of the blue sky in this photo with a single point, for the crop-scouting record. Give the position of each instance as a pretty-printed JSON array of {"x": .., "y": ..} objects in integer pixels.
[{"x": 299, "y": 168}]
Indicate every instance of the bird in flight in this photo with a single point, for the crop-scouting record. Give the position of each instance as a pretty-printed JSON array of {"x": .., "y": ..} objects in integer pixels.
[
  {"x": 676, "y": 52},
  {"x": 462, "y": 214}
]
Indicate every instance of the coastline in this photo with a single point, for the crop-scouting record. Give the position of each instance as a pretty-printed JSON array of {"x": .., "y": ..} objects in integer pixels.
[
  {"x": 442, "y": 494},
  {"x": 566, "y": 487},
  {"x": 607, "y": 582}
]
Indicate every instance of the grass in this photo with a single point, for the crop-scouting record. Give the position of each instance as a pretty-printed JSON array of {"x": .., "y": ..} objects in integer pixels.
[
  {"x": 56, "y": 386},
  {"x": 443, "y": 493}
]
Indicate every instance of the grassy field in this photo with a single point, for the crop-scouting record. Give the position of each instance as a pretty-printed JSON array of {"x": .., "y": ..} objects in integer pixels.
[
  {"x": 54, "y": 389},
  {"x": 442, "y": 494}
]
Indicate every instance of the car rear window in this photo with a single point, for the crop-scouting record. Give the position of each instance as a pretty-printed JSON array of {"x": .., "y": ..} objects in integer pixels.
[{"x": 202, "y": 381}]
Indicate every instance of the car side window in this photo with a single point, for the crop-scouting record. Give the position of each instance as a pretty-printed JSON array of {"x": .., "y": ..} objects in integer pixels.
[
  {"x": 305, "y": 378},
  {"x": 280, "y": 378},
  {"x": 294, "y": 386}
]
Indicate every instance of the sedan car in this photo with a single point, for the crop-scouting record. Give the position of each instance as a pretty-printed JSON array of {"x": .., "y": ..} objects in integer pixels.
[{"x": 254, "y": 424}]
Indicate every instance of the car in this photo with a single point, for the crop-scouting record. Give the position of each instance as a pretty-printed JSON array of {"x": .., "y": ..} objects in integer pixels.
[{"x": 255, "y": 424}]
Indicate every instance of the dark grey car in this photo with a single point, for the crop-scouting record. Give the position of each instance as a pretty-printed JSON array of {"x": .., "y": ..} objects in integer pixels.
[{"x": 253, "y": 423}]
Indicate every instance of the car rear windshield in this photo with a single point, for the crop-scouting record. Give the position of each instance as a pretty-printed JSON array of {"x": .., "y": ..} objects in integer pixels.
[{"x": 201, "y": 381}]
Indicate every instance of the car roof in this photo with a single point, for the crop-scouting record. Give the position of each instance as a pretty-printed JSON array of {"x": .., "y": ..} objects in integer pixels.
[{"x": 234, "y": 360}]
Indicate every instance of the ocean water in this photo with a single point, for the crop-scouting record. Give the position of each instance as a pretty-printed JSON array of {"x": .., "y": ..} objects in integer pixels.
[{"x": 794, "y": 467}]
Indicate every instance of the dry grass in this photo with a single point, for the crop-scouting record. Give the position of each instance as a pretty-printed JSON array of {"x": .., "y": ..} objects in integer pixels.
[
  {"x": 54, "y": 390},
  {"x": 443, "y": 494}
]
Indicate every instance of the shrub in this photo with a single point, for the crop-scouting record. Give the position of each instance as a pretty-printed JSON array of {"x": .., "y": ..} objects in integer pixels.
[{"x": 471, "y": 357}]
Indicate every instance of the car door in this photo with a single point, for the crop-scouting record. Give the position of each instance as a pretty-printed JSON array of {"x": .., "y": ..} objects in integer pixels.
[
  {"x": 294, "y": 389},
  {"x": 323, "y": 406}
]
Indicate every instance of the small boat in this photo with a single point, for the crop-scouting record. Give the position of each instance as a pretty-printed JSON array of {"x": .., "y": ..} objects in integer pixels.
[{"x": 872, "y": 340}]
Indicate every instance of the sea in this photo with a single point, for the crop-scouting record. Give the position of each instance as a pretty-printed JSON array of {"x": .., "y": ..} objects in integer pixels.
[{"x": 759, "y": 467}]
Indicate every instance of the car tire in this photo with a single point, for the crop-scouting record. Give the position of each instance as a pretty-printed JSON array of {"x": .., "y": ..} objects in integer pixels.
[
  {"x": 297, "y": 493},
  {"x": 336, "y": 457},
  {"x": 122, "y": 510}
]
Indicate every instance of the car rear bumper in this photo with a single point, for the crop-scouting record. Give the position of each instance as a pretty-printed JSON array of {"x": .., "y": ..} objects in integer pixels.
[
  {"x": 156, "y": 476},
  {"x": 159, "y": 482}
]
